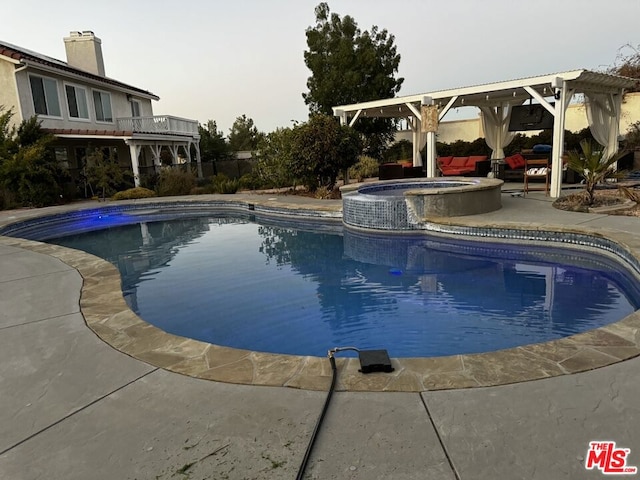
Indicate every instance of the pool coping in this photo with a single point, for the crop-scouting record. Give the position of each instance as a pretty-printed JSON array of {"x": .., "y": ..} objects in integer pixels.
[{"x": 107, "y": 314}]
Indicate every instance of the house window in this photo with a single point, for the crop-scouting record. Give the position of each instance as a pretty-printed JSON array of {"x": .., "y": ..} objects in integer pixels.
[
  {"x": 102, "y": 102},
  {"x": 45, "y": 96},
  {"x": 135, "y": 108},
  {"x": 77, "y": 102}
]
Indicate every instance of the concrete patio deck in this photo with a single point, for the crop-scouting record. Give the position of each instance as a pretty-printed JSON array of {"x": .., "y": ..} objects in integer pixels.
[{"x": 73, "y": 407}]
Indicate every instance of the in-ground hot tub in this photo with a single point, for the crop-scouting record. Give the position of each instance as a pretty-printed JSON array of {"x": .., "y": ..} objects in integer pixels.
[{"x": 405, "y": 205}]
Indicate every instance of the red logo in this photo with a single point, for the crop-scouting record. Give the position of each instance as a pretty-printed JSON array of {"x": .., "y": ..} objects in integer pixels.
[{"x": 608, "y": 459}]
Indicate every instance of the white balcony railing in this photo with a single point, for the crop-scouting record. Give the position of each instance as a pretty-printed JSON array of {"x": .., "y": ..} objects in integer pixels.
[{"x": 159, "y": 124}]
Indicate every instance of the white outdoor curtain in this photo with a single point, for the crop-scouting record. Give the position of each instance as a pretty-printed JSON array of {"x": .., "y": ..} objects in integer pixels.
[
  {"x": 495, "y": 122},
  {"x": 603, "y": 114}
]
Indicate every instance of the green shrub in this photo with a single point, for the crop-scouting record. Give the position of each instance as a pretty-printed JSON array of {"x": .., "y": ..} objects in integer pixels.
[
  {"x": 593, "y": 166},
  {"x": 173, "y": 181},
  {"x": 7, "y": 199},
  {"x": 29, "y": 172},
  {"x": 366, "y": 167},
  {"x": 133, "y": 193},
  {"x": 461, "y": 148},
  {"x": 222, "y": 184},
  {"x": 104, "y": 172},
  {"x": 325, "y": 193},
  {"x": 203, "y": 182},
  {"x": 274, "y": 165},
  {"x": 251, "y": 181},
  {"x": 398, "y": 151},
  {"x": 150, "y": 181}
]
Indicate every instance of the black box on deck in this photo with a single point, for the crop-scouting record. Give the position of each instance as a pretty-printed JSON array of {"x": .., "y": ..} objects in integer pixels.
[{"x": 374, "y": 361}]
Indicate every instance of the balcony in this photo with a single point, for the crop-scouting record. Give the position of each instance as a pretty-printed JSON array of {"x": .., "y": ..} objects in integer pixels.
[{"x": 159, "y": 124}]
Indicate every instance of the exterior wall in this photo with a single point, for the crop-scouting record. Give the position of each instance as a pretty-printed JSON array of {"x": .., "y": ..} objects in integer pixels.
[
  {"x": 467, "y": 130},
  {"x": 8, "y": 93},
  {"x": 576, "y": 118},
  {"x": 448, "y": 132},
  {"x": 120, "y": 105}
]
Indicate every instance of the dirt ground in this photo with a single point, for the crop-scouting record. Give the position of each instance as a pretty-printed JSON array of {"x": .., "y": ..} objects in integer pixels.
[{"x": 605, "y": 197}]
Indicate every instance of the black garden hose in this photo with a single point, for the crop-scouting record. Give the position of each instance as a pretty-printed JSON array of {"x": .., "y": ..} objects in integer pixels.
[{"x": 312, "y": 440}]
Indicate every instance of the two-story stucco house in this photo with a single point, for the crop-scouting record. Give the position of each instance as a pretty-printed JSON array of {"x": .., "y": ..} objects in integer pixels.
[{"x": 85, "y": 109}]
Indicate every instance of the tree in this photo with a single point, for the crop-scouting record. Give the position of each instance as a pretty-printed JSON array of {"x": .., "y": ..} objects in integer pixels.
[
  {"x": 321, "y": 148},
  {"x": 7, "y": 134},
  {"x": 213, "y": 145},
  {"x": 244, "y": 135},
  {"x": 350, "y": 66},
  {"x": 29, "y": 171},
  {"x": 627, "y": 64},
  {"x": 274, "y": 167},
  {"x": 104, "y": 172}
]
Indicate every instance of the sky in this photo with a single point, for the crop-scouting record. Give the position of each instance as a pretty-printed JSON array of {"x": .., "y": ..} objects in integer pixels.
[{"x": 218, "y": 60}]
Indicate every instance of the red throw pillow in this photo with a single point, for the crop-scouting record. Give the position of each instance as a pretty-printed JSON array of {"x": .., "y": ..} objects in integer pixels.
[
  {"x": 512, "y": 161},
  {"x": 458, "y": 161},
  {"x": 519, "y": 160}
]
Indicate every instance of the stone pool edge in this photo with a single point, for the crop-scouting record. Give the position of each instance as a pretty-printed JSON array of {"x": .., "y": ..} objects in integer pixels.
[{"x": 108, "y": 315}]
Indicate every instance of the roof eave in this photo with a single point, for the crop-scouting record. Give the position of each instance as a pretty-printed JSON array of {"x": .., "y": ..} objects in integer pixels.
[{"x": 90, "y": 79}]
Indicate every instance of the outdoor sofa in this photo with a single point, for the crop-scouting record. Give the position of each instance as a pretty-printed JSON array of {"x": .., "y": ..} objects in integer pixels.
[{"x": 471, "y": 166}]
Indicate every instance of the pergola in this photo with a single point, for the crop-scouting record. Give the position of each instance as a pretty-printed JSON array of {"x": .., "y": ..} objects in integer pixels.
[{"x": 602, "y": 93}]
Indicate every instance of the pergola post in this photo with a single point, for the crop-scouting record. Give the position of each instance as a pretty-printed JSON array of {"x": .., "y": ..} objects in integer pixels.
[
  {"x": 430, "y": 126},
  {"x": 563, "y": 96},
  {"x": 155, "y": 153},
  {"x": 416, "y": 140},
  {"x": 134, "y": 151},
  {"x": 431, "y": 154},
  {"x": 415, "y": 122}
]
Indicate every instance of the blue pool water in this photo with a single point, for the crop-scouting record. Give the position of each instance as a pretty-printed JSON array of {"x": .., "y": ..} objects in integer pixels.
[{"x": 274, "y": 288}]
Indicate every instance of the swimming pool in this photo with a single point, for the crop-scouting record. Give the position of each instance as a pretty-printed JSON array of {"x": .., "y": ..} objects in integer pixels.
[{"x": 274, "y": 288}]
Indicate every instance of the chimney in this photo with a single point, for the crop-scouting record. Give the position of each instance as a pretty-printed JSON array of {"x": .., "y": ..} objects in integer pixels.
[{"x": 84, "y": 51}]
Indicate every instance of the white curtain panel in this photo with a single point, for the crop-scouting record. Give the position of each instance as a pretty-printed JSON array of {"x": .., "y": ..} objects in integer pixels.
[
  {"x": 603, "y": 115},
  {"x": 495, "y": 122}
]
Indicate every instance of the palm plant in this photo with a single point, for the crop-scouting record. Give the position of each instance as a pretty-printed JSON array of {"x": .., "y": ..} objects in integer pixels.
[{"x": 592, "y": 166}]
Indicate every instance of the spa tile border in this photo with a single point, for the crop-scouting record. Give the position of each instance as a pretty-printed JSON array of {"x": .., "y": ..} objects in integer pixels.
[{"x": 108, "y": 315}]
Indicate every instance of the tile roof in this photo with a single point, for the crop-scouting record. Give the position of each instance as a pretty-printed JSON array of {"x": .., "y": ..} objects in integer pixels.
[{"x": 26, "y": 56}]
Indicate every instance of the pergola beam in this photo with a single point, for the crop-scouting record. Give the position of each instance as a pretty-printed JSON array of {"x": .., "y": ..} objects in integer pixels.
[
  {"x": 447, "y": 107},
  {"x": 414, "y": 110},
  {"x": 355, "y": 118},
  {"x": 541, "y": 99}
]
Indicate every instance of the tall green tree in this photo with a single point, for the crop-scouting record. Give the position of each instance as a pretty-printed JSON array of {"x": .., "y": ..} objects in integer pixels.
[
  {"x": 213, "y": 145},
  {"x": 349, "y": 66},
  {"x": 244, "y": 135},
  {"x": 321, "y": 148}
]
